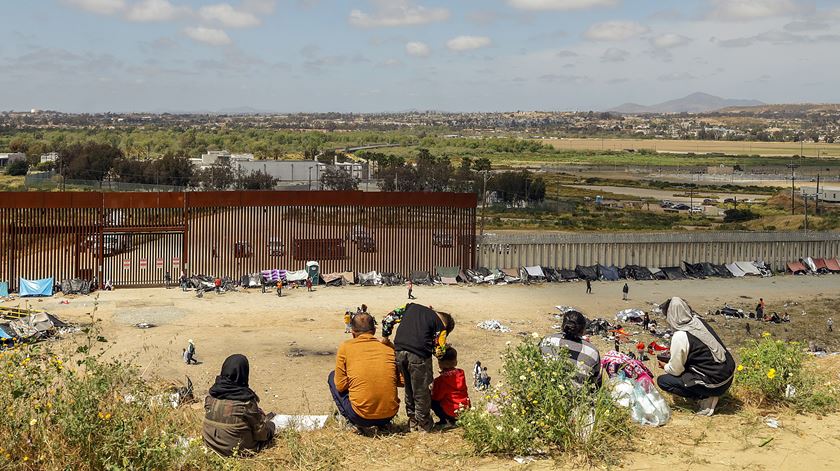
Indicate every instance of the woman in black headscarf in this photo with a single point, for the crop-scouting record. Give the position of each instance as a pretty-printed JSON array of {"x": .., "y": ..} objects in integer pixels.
[{"x": 233, "y": 419}]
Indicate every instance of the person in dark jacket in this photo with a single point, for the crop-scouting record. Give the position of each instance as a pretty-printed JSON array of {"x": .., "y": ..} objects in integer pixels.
[
  {"x": 582, "y": 353},
  {"x": 421, "y": 335},
  {"x": 700, "y": 368},
  {"x": 625, "y": 291},
  {"x": 233, "y": 420}
]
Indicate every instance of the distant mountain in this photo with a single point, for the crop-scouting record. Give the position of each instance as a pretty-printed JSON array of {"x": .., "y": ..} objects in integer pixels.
[{"x": 694, "y": 103}]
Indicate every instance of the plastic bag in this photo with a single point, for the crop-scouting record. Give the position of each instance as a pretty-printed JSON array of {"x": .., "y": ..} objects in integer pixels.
[{"x": 646, "y": 405}]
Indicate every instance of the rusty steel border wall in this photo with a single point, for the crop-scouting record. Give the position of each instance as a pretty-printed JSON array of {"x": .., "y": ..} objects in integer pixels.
[
  {"x": 132, "y": 239},
  {"x": 662, "y": 249}
]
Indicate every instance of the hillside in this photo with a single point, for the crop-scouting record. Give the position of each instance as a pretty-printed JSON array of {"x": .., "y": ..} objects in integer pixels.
[{"x": 694, "y": 103}]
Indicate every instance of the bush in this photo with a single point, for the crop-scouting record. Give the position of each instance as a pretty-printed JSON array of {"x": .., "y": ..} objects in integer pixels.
[
  {"x": 18, "y": 168},
  {"x": 739, "y": 215},
  {"x": 775, "y": 373},
  {"x": 539, "y": 409}
]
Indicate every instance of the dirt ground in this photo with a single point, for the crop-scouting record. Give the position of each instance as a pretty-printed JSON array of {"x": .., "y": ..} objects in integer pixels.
[{"x": 291, "y": 342}]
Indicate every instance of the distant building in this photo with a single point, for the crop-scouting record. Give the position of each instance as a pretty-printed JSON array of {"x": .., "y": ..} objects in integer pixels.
[
  {"x": 49, "y": 157},
  {"x": 8, "y": 158},
  {"x": 213, "y": 157},
  {"x": 355, "y": 169},
  {"x": 831, "y": 195},
  {"x": 301, "y": 173}
]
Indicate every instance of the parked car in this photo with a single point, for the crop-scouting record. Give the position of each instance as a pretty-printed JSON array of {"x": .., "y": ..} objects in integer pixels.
[
  {"x": 696, "y": 210},
  {"x": 729, "y": 200},
  {"x": 709, "y": 201},
  {"x": 681, "y": 207}
]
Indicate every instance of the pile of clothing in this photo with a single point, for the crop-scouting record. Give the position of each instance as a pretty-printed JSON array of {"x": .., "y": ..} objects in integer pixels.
[{"x": 493, "y": 325}]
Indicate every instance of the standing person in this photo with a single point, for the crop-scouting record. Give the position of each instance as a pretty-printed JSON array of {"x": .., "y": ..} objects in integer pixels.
[
  {"x": 700, "y": 367},
  {"x": 646, "y": 321},
  {"x": 167, "y": 280},
  {"x": 347, "y": 319},
  {"x": 280, "y": 288},
  {"x": 410, "y": 289},
  {"x": 309, "y": 284},
  {"x": 364, "y": 383},
  {"x": 217, "y": 283},
  {"x": 233, "y": 420},
  {"x": 830, "y": 324},
  {"x": 588, "y": 286},
  {"x": 759, "y": 311},
  {"x": 421, "y": 335},
  {"x": 449, "y": 390},
  {"x": 625, "y": 291},
  {"x": 182, "y": 282},
  {"x": 189, "y": 355}
]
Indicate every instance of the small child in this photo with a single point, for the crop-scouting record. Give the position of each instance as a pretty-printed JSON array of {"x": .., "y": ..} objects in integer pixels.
[
  {"x": 485, "y": 378},
  {"x": 477, "y": 376},
  {"x": 347, "y": 319},
  {"x": 449, "y": 390}
]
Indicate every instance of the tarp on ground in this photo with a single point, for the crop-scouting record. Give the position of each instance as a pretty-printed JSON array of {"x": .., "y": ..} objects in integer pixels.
[
  {"x": 722, "y": 271},
  {"x": 709, "y": 269},
  {"x": 511, "y": 275},
  {"x": 299, "y": 275},
  {"x": 657, "y": 273},
  {"x": 797, "y": 268},
  {"x": 568, "y": 275},
  {"x": 448, "y": 272},
  {"x": 254, "y": 280},
  {"x": 735, "y": 270},
  {"x": 535, "y": 273},
  {"x": 674, "y": 273},
  {"x": 392, "y": 279},
  {"x": 635, "y": 272},
  {"x": 43, "y": 287},
  {"x": 699, "y": 270},
  {"x": 6, "y": 332},
  {"x": 4, "y": 289},
  {"x": 809, "y": 262},
  {"x": 421, "y": 278},
  {"x": 333, "y": 279},
  {"x": 551, "y": 274},
  {"x": 370, "y": 279},
  {"x": 587, "y": 273},
  {"x": 607, "y": 273},
  {"x": 448, "y": 280},
  {"x": 832, "y": 264},
  {"x": 821, "y": 266},
  {"x": 748, "y": 268}
]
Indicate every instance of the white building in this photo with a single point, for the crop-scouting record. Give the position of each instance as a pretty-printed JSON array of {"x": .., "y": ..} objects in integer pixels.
[
  {"x": 50, "y": 157},
  {"x": 7, "y": 158},
  {"x": 831, "y": 195}
]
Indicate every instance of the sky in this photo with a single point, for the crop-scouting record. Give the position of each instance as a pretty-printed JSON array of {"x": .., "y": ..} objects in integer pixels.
[{"x": 399, "y": 55}]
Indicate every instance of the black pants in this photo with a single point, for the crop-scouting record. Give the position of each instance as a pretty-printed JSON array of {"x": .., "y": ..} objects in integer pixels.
[
  {"x": 418, "y": 374},
  {"x": 674, "y": 385},
  {"x": 588, "y": 289},
  {"x": 410, "y": 296},
  {"x": 345, "y": 408},
  {"x": 443, "y": 416}
]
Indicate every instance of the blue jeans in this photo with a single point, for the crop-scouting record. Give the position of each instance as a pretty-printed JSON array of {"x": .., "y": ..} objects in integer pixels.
[{"x": 345, "y": 408}]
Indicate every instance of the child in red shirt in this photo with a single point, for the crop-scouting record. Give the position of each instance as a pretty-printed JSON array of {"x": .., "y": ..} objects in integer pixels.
[{"x": 449, "y": 390}]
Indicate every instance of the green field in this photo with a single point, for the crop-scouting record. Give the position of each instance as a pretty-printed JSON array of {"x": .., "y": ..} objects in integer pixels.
[{"x": 766, "y": 149}]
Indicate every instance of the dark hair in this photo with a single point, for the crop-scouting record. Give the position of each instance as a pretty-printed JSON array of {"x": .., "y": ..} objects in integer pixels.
[
  {"x": 574, "y": 324},
  {"x": 449, "y": 355},
  {"x": 448, "y": 321},
  {"x": 363, "y": 323},
  {"x": 364, "y": 307}
]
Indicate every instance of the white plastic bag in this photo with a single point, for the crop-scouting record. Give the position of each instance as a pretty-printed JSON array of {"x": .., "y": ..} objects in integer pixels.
[{"x": 646, "y": 405}]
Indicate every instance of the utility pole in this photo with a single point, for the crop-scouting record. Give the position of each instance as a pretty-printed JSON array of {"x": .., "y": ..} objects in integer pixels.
[
  {"x": 483, "y": 201},
  {"x": 817, "y": 197},
  {"x": 792, "y": 168}
]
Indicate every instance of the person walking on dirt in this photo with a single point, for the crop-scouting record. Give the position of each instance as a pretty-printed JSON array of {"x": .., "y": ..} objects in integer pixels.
[
  {"x": 309, "y": 285},
  {"x": 625, "y": 291},
  {"x": 588, "y": 286},
  {"x": 189, "y": 353},
  {"x": 410, "y": 289},
  {"x": 167, "y": 280},
  {"x": 830, "y": 324},
  {"x": 279, "y": 288}
]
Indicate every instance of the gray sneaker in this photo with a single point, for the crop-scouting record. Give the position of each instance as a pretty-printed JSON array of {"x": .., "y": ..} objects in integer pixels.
[{"x": 707, "y": 406}]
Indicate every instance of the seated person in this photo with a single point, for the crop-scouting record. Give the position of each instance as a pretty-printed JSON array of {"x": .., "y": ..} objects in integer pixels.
[
  {"x": 700, "y": 368},
  {"x": 233, "y": 419},
  {"x": 786, "y": 317},
  {"x": 449, "y": 390},
  {"x": 583, "y": 353},
  {"x": 364, "y": 383}
]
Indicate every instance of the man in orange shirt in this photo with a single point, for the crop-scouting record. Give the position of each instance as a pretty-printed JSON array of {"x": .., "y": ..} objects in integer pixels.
[{"x": 364, "y": 383}]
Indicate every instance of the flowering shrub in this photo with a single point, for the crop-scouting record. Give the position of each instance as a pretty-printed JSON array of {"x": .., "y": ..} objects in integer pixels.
[
  {"x": 774, "y": 372},
  {"x": 539, "y": 409}
]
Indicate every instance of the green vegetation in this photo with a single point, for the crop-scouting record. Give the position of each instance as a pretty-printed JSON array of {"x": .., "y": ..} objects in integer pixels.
[
  {"x": 18, "y": 168},
  {"x": 539, "y": 409},
  {"x": 777, "y": 373},
  {"x": 739, "y": 215}
]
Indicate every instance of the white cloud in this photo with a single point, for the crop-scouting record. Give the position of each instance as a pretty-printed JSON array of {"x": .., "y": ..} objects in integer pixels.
[
  {"x": 614, "y": 55},
  {"x": 211, "y": 36},
  {"x": 615, "y": 31},
  {"x": 734, "y": 10},
  {"x": 467, "y": 43},
  {"x": 101, "y": 7},
  {"x": 537, "y": 5},
  {"x": 259, "y": 6},
  {"x": 393, "y": 13},
  {"x": 676, "y": 77},
  {"x": 417, "y": 49},
  {"x": 154, "y": 10},
  {"x": 228, "y": 16},
  {"x": 669, "y": 41}
]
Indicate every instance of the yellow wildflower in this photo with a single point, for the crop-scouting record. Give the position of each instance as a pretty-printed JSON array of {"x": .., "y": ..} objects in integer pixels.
[
  {"x": 25, "y": 458},
  {"x": 740, "y": 367},
  {"x": 107, "y": 416},
  {"x": 766, "y": 334},
  {"x": 101, "y": 415},
  {"x": 772, "y": 373},
  {"x": 33, "y": 422}
]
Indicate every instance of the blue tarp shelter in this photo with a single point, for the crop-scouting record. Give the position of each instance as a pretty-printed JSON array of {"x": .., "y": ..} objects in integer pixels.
[
  {"x": 4, "y": 289},
  {"x": 36, "y": 287}
]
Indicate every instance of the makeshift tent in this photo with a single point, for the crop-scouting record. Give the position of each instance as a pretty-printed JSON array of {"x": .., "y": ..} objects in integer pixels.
[
  {"x": 42, "y": 287},
  {"x": 333, "y": 279},
  {"x": 4, "y": 289},
  {"x": 797, "y": 268},
  {"x": 709, "y": 269},
  {"x": 448, "y": 272},
  {"x": 657, "y": 273},
  {"x": 448, "y": 280},
  {"x": 296, "y": 276},
  {"x": 568, "y": 275},
  {"x": 674, "y": 273},
  {"x": 635, "y": 272},
  {"x": 420, "y": 278},
  {"x": 607, "y": 273},
  {"x": 763, "y": 268},
  {"x": 821, "y": 266},
  {"x": 274, "y": 275},
  {"x": 587, "y": 273},
  {"x": 254, "y": 280},
  {"x": 735, "y": 270},
  {"x": 722, "y": 271},
  {"x": 370, "y": 279},
  {"x": 392, "y": 279},
  {"x": 748, "y": 268},
  {"x": 534, "y": 273},
  {"x": 511, "y": 275},
  {"x": 699, "y": 270},
  {"x": 832, "y": 264},
  {"x": 809, "y": 263}
]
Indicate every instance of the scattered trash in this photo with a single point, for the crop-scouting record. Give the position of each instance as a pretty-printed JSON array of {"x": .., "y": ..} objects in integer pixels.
[
  {"x": 790, "y": 391},
  {"x": 301, "y": 423},
  {"x": 524, "y": 459},
  {"x": 630, "y": 315},
  {"x": 64, "y": 301},
  {"x": 493, "y": 325},
  {"x": 772, "y": 422},
  {"x": 144, "y": 325},
  {"x": 766, "y": 442}
]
